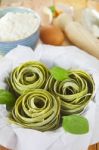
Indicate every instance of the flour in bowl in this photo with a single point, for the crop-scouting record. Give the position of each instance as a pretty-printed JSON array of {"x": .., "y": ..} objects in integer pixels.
[{"x": 16, "y": 26}]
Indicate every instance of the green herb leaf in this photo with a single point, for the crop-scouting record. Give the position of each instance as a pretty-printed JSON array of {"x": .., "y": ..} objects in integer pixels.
[
  {"x": 75, "y": 124},
  {"x": 52, "y": 8},
  {"x": 7, "y": 98},
  {"x": 59, "y": 73}
]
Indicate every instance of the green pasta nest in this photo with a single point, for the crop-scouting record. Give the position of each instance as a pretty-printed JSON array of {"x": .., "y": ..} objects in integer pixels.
[
  {"x": 30, "y": 75},
  {"x": 37, "y": 109},
  {"x": 74, "y": 92},
  {"x": 43, "y": 100}
]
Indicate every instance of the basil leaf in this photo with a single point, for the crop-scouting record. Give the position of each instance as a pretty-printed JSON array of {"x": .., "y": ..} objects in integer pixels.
[
  {"x": 59, "y": 73},
  {"x": 75, "y": 124},
  {"x": 7, "y": 98},
  {"x": 52, "y": 8}
]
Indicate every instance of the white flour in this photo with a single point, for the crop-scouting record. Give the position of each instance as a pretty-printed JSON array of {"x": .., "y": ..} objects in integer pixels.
[{"x": 16, "y": 26}]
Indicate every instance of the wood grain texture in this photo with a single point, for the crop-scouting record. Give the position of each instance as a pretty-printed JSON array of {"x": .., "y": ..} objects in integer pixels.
[
  {"x": 3, "y": 148},
  {"x": 93, "y": 147},
  {"x": 97, "y": 146}
]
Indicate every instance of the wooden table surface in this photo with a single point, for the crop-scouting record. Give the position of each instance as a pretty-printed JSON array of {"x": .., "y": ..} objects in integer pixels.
[
  {"x": 94, "y": 147},
  {"x": 36, "y": 5}
]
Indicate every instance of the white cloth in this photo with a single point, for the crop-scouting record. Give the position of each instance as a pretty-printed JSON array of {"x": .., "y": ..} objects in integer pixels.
[{"x": 17, "y": 138}]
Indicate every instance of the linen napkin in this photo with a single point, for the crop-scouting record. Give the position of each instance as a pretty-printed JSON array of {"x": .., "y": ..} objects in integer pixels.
[{"x": 67, "y": 57}]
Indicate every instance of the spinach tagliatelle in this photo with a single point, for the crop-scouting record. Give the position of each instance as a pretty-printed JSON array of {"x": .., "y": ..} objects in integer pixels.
[
  {"x": 37, "y": 109},
  {"x": 30, "y": 75},
  {"x": 47, "y": 95},
  {"x": 74, "y": 92}
]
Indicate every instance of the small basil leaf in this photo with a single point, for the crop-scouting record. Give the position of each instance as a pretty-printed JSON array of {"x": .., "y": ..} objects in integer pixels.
[
  {"x": 75, "y": 124},
  {"x": 59, "y": 73},
  {"x": 52, "y": 8},
  {"x": 7, "y": 98}
]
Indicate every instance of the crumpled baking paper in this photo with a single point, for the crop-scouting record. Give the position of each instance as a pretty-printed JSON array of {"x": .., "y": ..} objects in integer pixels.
[{"x": 17, "y": 138}]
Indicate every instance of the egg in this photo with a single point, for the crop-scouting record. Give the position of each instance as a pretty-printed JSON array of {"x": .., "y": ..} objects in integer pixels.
[{"x": 52, "y": 35}]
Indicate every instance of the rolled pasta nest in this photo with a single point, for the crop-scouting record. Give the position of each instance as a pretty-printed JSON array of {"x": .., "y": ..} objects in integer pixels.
[
  {"x": 74, "y": 92},
  {"x": 30, "y": 75},
  {"x": 37, "y": 109},
  {"x": 43, "y": 100}
]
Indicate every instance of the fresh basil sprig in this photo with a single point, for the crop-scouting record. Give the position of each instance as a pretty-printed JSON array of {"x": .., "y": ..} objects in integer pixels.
[{"x": 75, "y": 124}]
